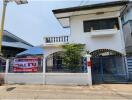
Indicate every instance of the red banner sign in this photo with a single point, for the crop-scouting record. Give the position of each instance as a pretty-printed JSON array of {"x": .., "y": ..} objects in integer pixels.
[{"x": 25, "y": 65}]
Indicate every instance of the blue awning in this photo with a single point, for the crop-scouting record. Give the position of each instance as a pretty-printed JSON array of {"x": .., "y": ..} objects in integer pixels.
[{"x": 32, "y": 51}]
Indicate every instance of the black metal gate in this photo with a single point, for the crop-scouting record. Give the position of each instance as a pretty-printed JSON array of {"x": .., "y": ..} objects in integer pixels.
[{"x": 109, "y": 69}]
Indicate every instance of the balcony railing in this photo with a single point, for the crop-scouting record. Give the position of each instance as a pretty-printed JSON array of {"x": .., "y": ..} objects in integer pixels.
[{"x": 56, "y": 40}]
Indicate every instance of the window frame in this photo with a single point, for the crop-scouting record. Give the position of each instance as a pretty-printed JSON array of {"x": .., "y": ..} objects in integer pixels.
[{"x": 92, "y": 20}]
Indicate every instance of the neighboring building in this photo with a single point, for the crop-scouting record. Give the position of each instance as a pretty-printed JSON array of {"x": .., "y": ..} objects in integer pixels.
[
  {"x": 127, "y": 27},
  {"x": 99, "y": 27},
  {"x": 12, "y": 45}
]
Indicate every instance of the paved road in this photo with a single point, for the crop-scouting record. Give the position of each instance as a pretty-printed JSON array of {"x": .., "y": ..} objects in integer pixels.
[{"x": 97, "y": 92}]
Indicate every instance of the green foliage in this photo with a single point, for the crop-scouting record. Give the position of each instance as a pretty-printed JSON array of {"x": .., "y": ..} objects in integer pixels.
[{"x": 72, "y": 56}]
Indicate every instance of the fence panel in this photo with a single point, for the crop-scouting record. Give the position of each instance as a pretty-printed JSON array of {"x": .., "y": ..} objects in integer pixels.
[{"x": 2, "y": 65}]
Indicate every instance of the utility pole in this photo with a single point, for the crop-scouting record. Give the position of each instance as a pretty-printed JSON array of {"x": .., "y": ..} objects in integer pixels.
[
  {"x": 2, "y": 24},
  {"x": 5, "y": 2}
]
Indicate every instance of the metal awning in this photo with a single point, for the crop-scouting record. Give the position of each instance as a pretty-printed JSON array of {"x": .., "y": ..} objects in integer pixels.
[{"x": 32, "y": 51}]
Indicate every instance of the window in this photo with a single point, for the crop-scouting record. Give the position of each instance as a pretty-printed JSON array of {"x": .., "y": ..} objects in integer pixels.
[{"x": 100, "y": 24}]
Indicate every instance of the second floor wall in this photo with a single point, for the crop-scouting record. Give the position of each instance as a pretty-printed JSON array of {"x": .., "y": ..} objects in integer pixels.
[
  {"x": 97, "y": 26},
  {"x": 103, "y": 31},
  {"x": 96, "y": 31}
]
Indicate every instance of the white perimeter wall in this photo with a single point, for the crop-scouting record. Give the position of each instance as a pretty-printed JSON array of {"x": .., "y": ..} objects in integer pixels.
[
  {"x": 67, "y": 78},
  {"x": 48, "y": 78},
  {"x": 113, "y": 42},
  {"x": 24, "y": 78}
]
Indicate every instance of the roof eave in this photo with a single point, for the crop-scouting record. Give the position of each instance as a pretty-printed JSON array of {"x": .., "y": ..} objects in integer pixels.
[{"x": 89, "y": 7}]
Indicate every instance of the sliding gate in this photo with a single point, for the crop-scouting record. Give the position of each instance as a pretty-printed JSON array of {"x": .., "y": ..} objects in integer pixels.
[{"x": 109, "y": 69}]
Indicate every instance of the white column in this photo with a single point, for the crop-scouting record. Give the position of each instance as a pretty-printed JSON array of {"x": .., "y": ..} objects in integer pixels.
[
  {"x": 44, "y": 65},
  {"x": 7, "y": 66},
  {"x": 89, "y": 70},
  {"x": 44, "y": 70},
  {"x": 6, "y": 70}
]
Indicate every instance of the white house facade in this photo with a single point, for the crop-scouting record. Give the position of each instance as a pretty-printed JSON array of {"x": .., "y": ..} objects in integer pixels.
[
  {"x": 99, "y": 37},
  {"x": 99, "y": 28}
]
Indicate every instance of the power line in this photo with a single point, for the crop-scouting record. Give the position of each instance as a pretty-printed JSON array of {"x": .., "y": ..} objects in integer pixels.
[
  {"x": 87, "y": 2},
  {"x": 81, "y": 3}
]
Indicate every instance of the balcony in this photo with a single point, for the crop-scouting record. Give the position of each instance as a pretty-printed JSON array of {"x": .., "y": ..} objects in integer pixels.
[
  {"x": 106, "y": 32},
  {"x": 50, "y": 41}
]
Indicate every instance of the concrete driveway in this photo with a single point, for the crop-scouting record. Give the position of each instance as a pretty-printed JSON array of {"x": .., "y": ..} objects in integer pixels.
[{"x": 97, "y": 92}]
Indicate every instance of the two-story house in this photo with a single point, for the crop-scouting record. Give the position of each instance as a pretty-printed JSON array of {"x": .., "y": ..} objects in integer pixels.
[
  {"x": 99, "y": 27},
  {"x": 106, "y": 37}
]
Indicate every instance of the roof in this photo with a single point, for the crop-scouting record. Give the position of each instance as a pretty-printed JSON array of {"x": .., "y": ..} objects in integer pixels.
[
  {"x": 32, "y": 51},
  {"x": 16, "y": 37},
  {"x": 91, "y": 6},
  {"x": 116, "y": 7}
]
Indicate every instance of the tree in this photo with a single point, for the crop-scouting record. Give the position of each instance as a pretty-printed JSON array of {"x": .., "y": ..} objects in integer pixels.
[{"x": 72, "y": 57}]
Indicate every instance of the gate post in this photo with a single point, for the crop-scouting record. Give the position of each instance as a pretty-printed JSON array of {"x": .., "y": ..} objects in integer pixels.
[
  {"x": 44, "y": 70},
  {"x": 89, "y": 69},
  {"x": 7, "y": 66},
  {"x": 6, "y": 71}
]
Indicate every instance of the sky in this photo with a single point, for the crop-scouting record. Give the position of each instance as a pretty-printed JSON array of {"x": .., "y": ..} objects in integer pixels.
[{"x": 35, "y": 20}]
